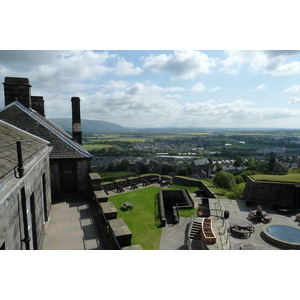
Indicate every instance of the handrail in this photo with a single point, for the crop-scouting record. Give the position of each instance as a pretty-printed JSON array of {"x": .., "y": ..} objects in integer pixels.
[
  {"x": 225, "y": 232},
  {"x": 189, "y": 233}
]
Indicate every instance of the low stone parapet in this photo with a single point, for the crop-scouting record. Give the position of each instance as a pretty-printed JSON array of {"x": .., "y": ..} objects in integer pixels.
[
  {"x": 109, "y": 210},
  {"x": 101, "y": 196},
  {"x": 121, "y": 232},
  {"x": 95, "y": 181}
]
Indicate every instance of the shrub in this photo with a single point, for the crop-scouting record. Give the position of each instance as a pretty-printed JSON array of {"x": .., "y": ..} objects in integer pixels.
[
  {"x": 224, "y": 180},
  {"x": 238, "y": 179}
]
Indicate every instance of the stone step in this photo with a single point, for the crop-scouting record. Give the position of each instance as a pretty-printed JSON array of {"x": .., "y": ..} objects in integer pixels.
[{"x": 196, "y": 230}]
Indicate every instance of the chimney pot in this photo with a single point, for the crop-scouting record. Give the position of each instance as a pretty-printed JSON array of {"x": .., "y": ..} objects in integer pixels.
[
  {"x": 38, "y": 104},
  {"x": 17, "y": 89},
  {"x": 76, "y": 120}
]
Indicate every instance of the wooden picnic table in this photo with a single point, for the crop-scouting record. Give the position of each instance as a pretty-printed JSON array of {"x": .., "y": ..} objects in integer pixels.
[
  {"x": 265, "y": 217},
  {"x": 241, "y": 229},
  {"x": 241, "y": 232},
  {"x": 246, "y": 246},
  {"x": 242, "y": 225},
  {"x": 127, "y": 205}
]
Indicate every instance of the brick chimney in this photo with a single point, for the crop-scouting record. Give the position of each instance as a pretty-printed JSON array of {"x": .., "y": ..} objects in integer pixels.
[
  {"x": 38, "y": 104},
  {"x": 16, "y": 88},
  {"x": 76, "y": 120}
]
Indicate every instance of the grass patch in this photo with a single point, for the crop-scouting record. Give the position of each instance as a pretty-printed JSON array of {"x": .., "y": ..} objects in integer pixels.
[
  {"x": 113, "y": 175},
  {"x": 96, "y": 146},
  {"x": 295, "y": 178},
  {"x": 141, "y": 219}
]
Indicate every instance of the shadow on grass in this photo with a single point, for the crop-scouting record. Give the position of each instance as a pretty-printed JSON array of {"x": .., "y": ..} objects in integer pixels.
[{"x": 157, "y": 216}]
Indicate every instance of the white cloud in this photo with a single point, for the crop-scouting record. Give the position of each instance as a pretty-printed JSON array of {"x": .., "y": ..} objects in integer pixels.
[
  {"x": 125, "y": 68},
  {"x": 149, "y": 105},
  {"x": 115, "y": 85},
  {"x": 199, "y": 87},
  {"x": 294, "y": 88},
  {"x": 268, "y": 62},
  {"x": 261, "y": 87},
  {"x": 215, "y": 89},
  {"x": 173, "y": 89},
  {"x": 181, "y": 64},
  {"x": 294, "y": 100},
  {"x": 64, "y": 71}
]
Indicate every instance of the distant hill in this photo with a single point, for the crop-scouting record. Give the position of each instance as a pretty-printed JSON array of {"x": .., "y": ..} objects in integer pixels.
[{"x": 88, "y": 126}]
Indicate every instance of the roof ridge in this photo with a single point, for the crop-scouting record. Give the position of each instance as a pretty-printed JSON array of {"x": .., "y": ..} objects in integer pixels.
[
  {"x": 24, "y": 131},
  {"x": 70, "y": 142}
]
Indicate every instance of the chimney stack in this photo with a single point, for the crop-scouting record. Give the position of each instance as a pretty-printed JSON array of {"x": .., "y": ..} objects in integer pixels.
[
  {"x": 38, "y": 104},
  {"x": 16, "y": 88},
  {"x": 76, "y": 120}
]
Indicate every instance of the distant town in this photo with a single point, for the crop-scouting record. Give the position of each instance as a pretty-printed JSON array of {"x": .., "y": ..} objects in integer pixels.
[{"x": 188, "y": 151}]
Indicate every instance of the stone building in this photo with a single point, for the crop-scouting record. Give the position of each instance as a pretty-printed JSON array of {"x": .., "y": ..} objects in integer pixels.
[
  {"x": 25, "y": 194},
  {"x": 202, "y": 167},
  {"x": 70, "y": 163}
]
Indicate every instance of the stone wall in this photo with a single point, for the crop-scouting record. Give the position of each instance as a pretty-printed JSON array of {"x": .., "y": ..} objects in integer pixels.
[
  {"x": 33, "y": 186},
  {"x": 194, "y": 182},
  {"x": 268, "y": 193},
  {"x": 83, "y": 169}
]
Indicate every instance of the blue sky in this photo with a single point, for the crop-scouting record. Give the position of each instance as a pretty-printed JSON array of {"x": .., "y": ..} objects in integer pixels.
[
  {"x": 150, "y": 88},
  {"x": 139, "y": 84}
]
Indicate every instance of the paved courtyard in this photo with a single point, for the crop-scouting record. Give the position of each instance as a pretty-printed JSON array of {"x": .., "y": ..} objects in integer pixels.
[
  {"x": 176, "y": 236},
  {"x": 71, "y": 226},
  {"x": 238, "y": 211}
]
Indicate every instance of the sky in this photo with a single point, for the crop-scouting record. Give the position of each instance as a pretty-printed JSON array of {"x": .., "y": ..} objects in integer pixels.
[
  {"x": 151, "y": 84},
  {"x": 131, "y": 80},
  {"x": 172, "y": 88}
]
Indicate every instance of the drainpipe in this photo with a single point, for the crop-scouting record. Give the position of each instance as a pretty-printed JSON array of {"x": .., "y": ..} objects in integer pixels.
[{"x": 20, "y": 160}]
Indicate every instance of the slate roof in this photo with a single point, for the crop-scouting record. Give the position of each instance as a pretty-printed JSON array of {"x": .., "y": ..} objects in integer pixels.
[
  {"x": 9, "y": 135},
  {"x": 201, "y": 161},
  {"x": 33, "y": 122}
]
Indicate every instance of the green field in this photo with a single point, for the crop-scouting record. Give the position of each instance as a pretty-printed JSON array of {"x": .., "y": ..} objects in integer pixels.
[
  {"x": 141, "y": 219},
  {"x": 97, "y": 146}
]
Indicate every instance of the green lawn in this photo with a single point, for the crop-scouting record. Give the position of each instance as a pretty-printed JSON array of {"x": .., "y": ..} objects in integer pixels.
[
  {"x": 141, "y": 219},
  {"x": 278, "y": 178},
  {"x": 113, "y": 175}
]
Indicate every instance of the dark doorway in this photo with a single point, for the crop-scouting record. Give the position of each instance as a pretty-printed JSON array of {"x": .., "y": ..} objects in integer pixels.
[{"x": 68, "y": 176}]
